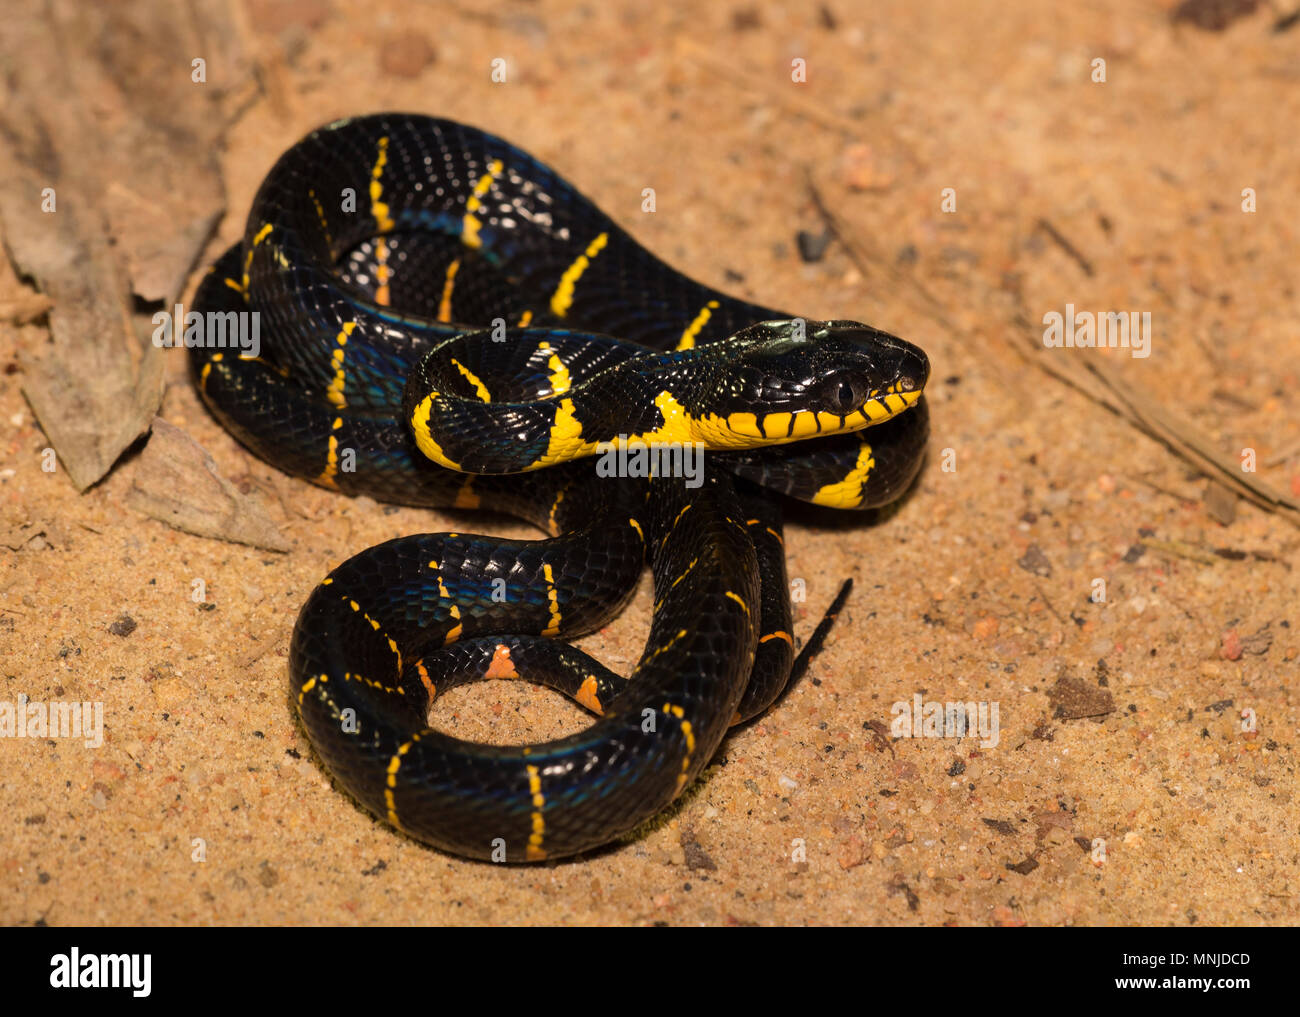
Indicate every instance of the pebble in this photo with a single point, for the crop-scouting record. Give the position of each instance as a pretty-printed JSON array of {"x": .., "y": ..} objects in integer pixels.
[
  {"x": 985, "y": 627},
  {"x": 123, "y": 626},
  {"x": 405, "y": 54},
  {"x": 812, "y": 245},
  {"x": 861, "y": 170}
]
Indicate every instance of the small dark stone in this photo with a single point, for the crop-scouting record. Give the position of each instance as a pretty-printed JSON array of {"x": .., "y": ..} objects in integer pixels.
[
  {"x": 697, "y": 859},
  {"x": 1073, "y": 699},
  {"x": 812, "y": 245},
  {"x": 1035, "y": 561}
]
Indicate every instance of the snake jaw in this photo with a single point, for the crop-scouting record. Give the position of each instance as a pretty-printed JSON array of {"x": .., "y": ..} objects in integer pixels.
[{"x": 889, "y": 405}]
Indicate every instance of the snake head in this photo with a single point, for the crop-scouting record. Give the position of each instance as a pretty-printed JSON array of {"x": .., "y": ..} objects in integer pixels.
[{"x": 812, "y": 377}]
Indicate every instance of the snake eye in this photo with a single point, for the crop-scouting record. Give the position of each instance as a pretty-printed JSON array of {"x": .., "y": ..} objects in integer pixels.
[{"x": 840, "y": 396}]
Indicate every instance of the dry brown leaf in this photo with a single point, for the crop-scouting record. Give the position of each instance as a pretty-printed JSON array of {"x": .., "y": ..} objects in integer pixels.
[
  {"x": 108, "y": 186},
  {"x": 177, "y": 482}
]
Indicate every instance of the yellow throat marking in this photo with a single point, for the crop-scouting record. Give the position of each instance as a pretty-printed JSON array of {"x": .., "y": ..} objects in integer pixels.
[{"x": 742, "y": 430}]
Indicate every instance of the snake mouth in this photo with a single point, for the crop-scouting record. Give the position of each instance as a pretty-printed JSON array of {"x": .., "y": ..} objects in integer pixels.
[
  {"x": 749, "y": 430},
  {"x": 885, "y": 376},
  {"x": 909, "y": 369},
  {"x": 899, "y": 396}
]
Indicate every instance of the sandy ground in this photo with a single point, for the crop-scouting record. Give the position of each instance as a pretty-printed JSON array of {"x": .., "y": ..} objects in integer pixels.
[{"x": 1173, "y": 804}]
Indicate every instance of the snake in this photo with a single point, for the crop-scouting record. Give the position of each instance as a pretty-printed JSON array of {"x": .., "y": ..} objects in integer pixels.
[{"x": 442, "y": 320}]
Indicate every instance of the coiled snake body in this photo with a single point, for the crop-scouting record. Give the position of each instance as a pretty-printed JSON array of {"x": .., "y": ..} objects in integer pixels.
[{"x": 447, "y": 322}]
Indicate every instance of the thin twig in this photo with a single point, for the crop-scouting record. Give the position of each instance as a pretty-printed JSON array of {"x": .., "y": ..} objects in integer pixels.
[{"x": 1064, "y": 244}]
